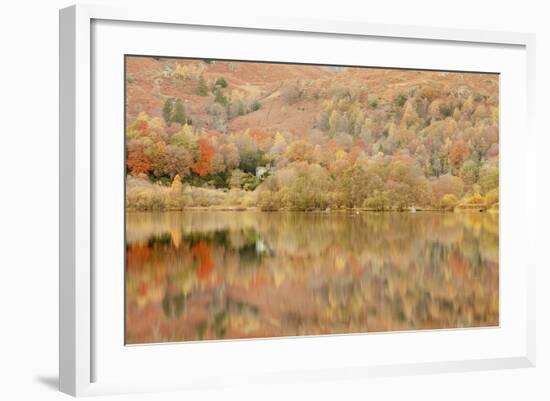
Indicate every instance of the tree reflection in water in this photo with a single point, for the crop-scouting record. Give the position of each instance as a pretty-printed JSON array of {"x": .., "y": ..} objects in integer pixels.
[{"x": 197, "y": 275}]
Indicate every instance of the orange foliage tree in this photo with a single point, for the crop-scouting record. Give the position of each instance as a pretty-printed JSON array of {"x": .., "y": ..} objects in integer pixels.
[
  {"x": 137, "y": 161},
  {"x": 458, "y": 153},
  {"x": 206, "y": 153}
]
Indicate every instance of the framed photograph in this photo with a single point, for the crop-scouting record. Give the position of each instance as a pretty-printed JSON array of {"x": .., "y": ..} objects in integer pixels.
[{"x": 277, "y": 200}]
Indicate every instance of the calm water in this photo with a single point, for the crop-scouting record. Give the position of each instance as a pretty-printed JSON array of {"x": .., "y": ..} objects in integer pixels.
[{"x": 219, "y": 275}]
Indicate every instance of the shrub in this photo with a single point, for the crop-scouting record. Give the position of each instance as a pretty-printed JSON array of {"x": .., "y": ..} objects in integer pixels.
[
  {"x": 250, "y": 198},
  {"x": 269, "y": 200},
  {"x": 202, "y": 88},
  {"x": 400, "y": 100},
  {"x": 475, "y": 199},
  {"x": 236, "y": 179},
  {"x": 250, "y": 182},
  {"x": 292, "y": 92},
  {"x": 446, "y": 110},
  {"x": 240, "y": 108},
  {"x": 143, "y": 195},
  {"x": 491, "y": 197},
  {"x": 234, "y": 197},
  {"x": 221, "y": 82},
  {"x": 194, "y": 196},
  {"x": 448, "y": 202},
  {"x": 256, "y": 105}
]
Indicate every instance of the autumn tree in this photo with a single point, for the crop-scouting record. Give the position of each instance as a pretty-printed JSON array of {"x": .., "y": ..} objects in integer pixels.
[
  {"x": 156, "y": 152},
  {"x": 279, "y": 144},
  {"x": 458, "y": 153},
  {"x": 186, "y": 139},
  {"x": 448, "y": 202},
  {"x": 178, "y": 161},
  {"x": 378, "y": 201},
  {"x": 488, "y": 178},
  {"x": 139, "y": 128},
  {"x": 231, "y": 155},
  {"x": 206, "y": 152},
  {"x": 400, "y": 194},
  {"x": 217, "y": 163},
  {"x": 137, "y": 161},
  {"x": 447, "y": 184},
  {"x": 299, "y": 150},
  {"x": 354, "y": 183}
]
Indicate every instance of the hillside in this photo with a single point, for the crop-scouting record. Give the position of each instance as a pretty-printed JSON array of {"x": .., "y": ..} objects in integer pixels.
[
  {"x": 397, "y": 137},
  {"x": 151, "y": 81}
]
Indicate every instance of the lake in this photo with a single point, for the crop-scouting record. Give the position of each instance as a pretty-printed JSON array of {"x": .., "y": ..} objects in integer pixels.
[{"x": 209, "y": 275}]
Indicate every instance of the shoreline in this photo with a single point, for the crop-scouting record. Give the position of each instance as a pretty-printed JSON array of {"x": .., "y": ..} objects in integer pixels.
[{"x": 342, "y": 210}]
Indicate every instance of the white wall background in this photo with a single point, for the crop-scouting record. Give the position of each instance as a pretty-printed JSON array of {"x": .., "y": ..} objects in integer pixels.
[{"x": 29, "y": 200}]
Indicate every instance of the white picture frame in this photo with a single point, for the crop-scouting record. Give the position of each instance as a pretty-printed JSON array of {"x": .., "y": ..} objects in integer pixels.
[{"x": 78, "y": 315}]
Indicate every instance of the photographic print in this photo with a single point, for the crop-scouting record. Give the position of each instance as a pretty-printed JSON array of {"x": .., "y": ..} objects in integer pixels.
[{"x": 278, "y": 199}]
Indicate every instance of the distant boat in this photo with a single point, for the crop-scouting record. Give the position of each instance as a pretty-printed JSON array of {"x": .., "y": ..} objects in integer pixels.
[{"x": 413, "y": 209}]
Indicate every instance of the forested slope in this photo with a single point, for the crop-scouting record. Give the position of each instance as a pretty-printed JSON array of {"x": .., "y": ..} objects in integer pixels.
[{"x": 280, "y": 136}]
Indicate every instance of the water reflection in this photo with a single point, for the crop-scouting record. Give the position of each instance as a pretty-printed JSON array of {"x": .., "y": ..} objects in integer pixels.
[{"x": 217, "y": 274}]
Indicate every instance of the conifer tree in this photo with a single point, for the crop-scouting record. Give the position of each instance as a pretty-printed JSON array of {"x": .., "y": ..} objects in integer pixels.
[
  {"x": 167, "y": 110},
  {"x": 179, "y": 113}
]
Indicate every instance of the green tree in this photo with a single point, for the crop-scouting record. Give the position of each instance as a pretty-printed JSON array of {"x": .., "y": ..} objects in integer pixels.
[
  {"x": 220, "y": 97},
  {"x": 179, "y": 113},
  {"x": 249, "y": 160},
  {"x": 469, "y": 172},
  {"x": 167, "y": 110}
]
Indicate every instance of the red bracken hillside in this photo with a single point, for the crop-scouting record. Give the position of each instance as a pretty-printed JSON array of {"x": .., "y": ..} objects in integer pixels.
[{"x": 151, "y": 80}]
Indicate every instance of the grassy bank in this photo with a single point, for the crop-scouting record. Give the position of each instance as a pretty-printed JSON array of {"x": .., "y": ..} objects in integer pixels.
[{"x": 143, "y": 195}]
